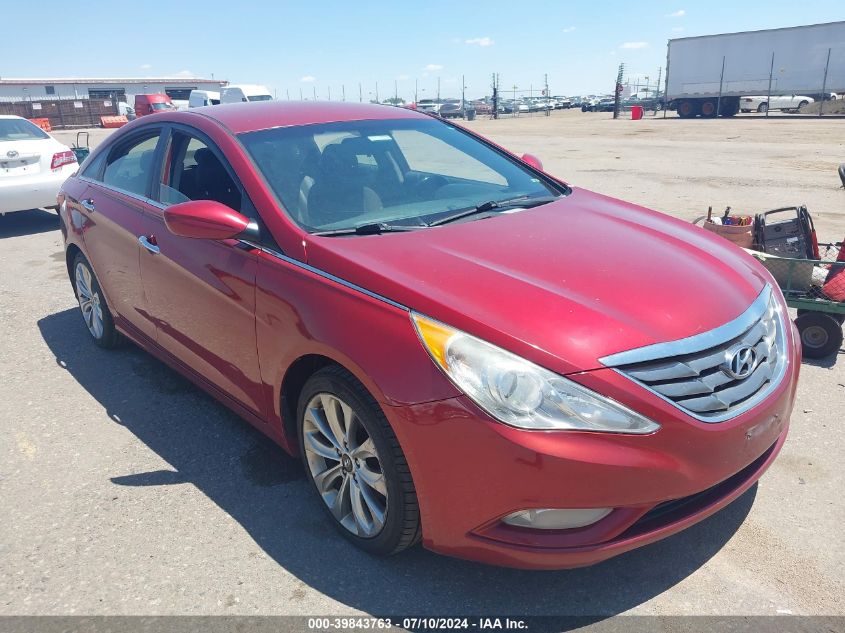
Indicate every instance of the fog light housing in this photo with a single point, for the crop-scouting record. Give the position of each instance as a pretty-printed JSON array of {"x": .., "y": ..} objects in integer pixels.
[{"x": 556, "y": 519}]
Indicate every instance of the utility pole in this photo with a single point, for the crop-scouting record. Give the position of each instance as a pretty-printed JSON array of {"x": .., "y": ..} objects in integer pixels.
[
  {"x": 463, "y": 96},
  {"x": 395, "y": 91},
  {"x": 287, "y": 93},
  {"x": 416, "y": 89},
  {"x": 300, "y": 93},
  {"x": 360, "y": 93},
  {"x": 330, "y": 93},
  {"x": 495, "y": 95},
  {"x": 617, "y": 90},
  {"x": 315, "y": 92},
  {"x": 438, "y": 88},
  {"x": 343, "y": 91},
  {"x": 546, "y": 92},
  {"x": 377, "y": 101}
]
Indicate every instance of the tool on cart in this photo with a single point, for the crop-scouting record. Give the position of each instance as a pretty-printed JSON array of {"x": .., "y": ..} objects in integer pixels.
[
  {"x": 791, "y": 237},
  {"x": 81, "y": 151},
  {"x": 736, "y": 228}
]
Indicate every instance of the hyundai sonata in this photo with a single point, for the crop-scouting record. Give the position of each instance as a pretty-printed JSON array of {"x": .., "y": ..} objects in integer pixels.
[{"x": 463, "y": 349}]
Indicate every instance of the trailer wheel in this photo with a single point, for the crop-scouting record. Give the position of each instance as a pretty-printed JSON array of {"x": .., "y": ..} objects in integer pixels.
[
  {"x": 708, "y": 109},
  {"x": 820, "y": 334},
  {"x": 840, "y": 318},
  {"x": 802, "y": 104},
  {"x": 687, "y": 109}
]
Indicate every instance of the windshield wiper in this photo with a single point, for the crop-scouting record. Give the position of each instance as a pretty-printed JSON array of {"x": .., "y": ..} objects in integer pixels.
[
  {"x": 374, "y": 228},
  {"x": 524, "y": 202}
]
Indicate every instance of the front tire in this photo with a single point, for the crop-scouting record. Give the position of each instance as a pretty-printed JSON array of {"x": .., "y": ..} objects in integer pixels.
[
  {"x": 355, "y": 463},
  {"x": 95, "y": 312},
  {"x": 763, "y": 108}
]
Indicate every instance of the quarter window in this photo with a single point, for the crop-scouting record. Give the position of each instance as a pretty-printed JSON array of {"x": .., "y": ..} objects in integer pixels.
[{"x": 129, "y": 165}]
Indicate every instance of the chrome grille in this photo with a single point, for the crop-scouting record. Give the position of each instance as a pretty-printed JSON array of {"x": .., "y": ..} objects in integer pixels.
[{"x": 719, "y": 374}]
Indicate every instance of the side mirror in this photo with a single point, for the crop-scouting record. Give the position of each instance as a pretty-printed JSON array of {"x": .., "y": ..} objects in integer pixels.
[
  {"x": 532, "y": 160},
  {"x": 205, "y": 219}
]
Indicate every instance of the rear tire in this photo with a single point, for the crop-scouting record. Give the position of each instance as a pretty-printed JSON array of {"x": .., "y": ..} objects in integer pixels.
[
  {"x": 95, "y": 312},
  {"x": 688, "y": 109},
  {"x": 708, "y": 109},
  {"x": 365, "y": 484},
  {"x": 763, "y": 108},
  {"x": 820, "y": 334}
]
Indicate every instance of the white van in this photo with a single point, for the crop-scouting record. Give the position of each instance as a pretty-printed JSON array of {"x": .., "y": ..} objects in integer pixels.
[
  {"x": 245, "y": 92},
  {"x": 199, "y": 98}
]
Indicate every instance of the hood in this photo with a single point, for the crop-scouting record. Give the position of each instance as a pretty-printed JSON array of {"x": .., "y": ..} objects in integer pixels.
[{"x": 563, "y": 284}]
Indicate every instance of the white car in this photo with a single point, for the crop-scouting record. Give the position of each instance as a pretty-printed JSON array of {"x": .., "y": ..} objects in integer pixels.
[
  {"x": 777, "y": 102},
  {"x": 33, "y": 165}
]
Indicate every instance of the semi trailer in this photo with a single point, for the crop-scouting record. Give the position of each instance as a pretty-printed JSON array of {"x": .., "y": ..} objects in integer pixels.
[{"x": 708, "y": 75}]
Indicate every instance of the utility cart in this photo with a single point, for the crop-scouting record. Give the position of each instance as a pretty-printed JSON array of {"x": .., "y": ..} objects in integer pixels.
[{"x": 816, "y": 288}]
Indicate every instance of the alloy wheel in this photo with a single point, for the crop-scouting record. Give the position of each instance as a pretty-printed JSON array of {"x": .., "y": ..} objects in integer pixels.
[
  {"x": 345, "y": 465},
  {"x": 89, "y": 301}
]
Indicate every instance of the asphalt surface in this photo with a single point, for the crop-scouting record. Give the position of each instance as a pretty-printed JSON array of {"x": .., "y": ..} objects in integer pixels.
[{"x": 126, "y": 490}]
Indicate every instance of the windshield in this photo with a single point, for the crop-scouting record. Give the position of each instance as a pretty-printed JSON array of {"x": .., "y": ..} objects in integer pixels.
[
  {"x": 413, "y": 172},
  {"x": 20, "y": 130},
  {"x": 161, "y": 106},
  {"x": 260, "y": 98}
]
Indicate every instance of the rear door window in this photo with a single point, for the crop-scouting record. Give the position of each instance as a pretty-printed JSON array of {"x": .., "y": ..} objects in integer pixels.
[{"x": 129, "y": 165}]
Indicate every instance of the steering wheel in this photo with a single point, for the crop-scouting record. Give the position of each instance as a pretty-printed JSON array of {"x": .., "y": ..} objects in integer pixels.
[{"x": 429, "y": 184}]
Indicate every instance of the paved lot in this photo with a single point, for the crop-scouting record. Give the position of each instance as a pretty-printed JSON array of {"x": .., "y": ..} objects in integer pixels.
[{"x": 127, "y": 491}]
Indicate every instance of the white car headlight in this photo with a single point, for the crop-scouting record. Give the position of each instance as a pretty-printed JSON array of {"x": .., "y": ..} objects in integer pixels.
[{"x": 518, "y": 392}]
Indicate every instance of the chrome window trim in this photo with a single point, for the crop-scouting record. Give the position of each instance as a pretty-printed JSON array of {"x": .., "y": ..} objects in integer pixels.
[
  {"x": 326, "y": 275},
  {"x": 706, "y": 340},
  {"x": 697, "y": 342},
  {"x": 123, "y": 192}
]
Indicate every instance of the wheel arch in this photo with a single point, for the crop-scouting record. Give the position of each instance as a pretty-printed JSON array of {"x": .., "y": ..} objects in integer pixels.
[
  {"x": 71, "y": 252},
  {"x": 294, "y": 379}
]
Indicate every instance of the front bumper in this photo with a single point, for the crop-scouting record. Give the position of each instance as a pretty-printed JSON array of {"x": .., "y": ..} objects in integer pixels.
[
  {"x": 471, "y": 471},
  {"x": 33, "y": 192}
]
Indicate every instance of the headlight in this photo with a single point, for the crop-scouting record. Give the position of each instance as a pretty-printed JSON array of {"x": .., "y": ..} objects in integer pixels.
[{"x": 518, "y": 392}]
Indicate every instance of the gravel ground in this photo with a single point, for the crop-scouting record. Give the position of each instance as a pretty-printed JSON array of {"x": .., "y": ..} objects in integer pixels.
[{"x": 128, "y": 491}]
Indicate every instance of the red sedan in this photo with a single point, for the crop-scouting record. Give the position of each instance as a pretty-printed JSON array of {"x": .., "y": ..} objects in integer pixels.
[{"x": 463, "y": 349}]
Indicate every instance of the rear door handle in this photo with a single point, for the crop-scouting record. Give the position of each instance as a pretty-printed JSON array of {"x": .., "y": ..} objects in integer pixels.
[
  {"x": 88, "y": 205},
  {"x": 148, "y": 242}
]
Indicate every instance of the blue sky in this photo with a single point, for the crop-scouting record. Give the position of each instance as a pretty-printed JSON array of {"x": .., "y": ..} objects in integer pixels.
[{"x": 322, "y": 46}]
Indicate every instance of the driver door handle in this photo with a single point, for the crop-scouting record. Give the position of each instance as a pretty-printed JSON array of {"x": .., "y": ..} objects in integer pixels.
[
  {"x": 88, "y": 205},
  {"x": 149, "y": 242}
]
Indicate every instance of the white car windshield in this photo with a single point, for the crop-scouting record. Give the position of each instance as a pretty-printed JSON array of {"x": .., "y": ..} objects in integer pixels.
[{"x": 407, "y": 173}]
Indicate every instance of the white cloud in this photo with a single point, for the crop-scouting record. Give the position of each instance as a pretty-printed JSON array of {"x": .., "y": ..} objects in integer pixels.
[
  {"x": 308, "y": 79},
  {"x": 633, "y": 45},
  {"x": 146, "y": 66},
  {"x": 480, "y": 41},
  {"x": 433, "y": 67},
  {"x": 676, "y": 14},
  {"x": 677, "y": 29},
  {"x": 402, "y": 78},
  {"x": 568, "y": 29},
  {"x": 184, "y": 73}
]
